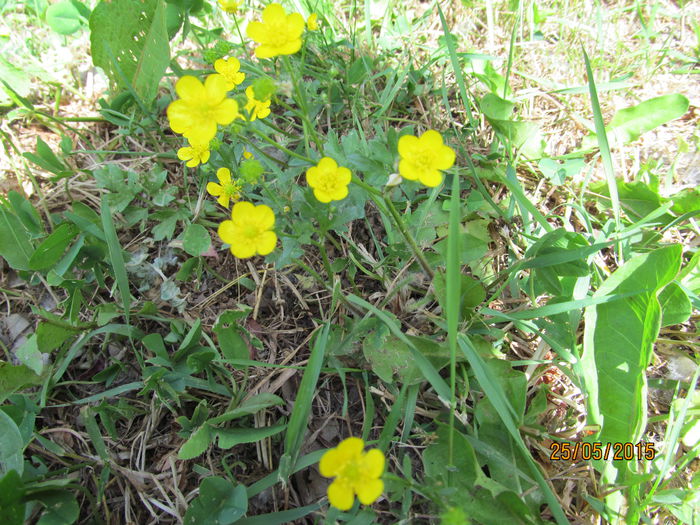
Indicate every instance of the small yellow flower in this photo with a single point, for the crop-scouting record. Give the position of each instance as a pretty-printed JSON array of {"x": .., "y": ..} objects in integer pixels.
[
  {"x": 278, "y": 33},
  {"x": 312, "y": 22},
  {"x": 355, "y": 472},
  {"x": 256, "y": 108},
  {"x": 249, "y": 232},
  {"x": 329, "y": 182},
  {"x": 226, "y": 189},
  {"x": 423, "y": 157},
  {"x": 229, "y": 68},
  {"x": 194, "y": 154},
  {"x": 200, "y": 108},
  {"x": 230, "y": 6},
  {"x": 247, "y": 155}
]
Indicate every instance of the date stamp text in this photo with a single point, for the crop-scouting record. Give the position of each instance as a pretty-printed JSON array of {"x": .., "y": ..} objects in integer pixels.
[{"x": 618, "y": 451}]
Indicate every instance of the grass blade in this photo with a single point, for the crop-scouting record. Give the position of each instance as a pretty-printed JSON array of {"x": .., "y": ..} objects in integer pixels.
[{"x": 116, "y": 257}]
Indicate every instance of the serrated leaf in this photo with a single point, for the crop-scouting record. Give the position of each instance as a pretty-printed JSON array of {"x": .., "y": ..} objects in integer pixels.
[{"x": 196, "y": 444}]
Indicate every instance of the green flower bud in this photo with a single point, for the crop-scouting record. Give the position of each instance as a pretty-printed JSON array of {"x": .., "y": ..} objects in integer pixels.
[
  {"x": 264, "y": 88},
  {"x": 251, "y": 170}
]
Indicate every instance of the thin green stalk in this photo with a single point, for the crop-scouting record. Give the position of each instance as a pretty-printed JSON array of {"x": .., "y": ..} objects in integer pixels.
[
  {"x": 304, "y": 107},
  {"x": 279, "y": 146},
  {"x": 409, "y": 238}
]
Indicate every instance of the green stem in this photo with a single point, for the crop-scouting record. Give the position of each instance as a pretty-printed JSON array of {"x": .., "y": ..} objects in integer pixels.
[
  {"x": 280, "y": 147},
  {"x": 304, "y": 108},
  {"x": 417, "y": 252}
]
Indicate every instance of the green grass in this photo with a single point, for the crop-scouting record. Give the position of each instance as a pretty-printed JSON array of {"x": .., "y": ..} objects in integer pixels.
[{"x": 543, "y": 297}]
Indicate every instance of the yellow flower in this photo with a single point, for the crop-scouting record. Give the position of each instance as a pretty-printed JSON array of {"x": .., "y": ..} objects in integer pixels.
[
  {"x": 194, "y": 154},
  {"x": 226, "y": 190},
  {"x": 230, "y": 6},
  {"x": 200, "y": 108},
  {"x": 278, "y": 33},
  {"x": 423, "y": 157},
  {"x": 329, "y": 182},
  {"x": 249, "y": 232},
  {"x": 312, "y": 22},
  {"x": 247, "y": 155},
  {"x": 254, "y": 107},
  {"x": 355, "y": 472},
  {"x": 229, "y": 68}
]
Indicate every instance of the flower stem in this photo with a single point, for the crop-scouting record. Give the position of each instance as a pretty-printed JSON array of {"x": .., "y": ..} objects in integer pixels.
[
  {"x": 417, "y": 252},
  {"x": 302, "y": 104}
]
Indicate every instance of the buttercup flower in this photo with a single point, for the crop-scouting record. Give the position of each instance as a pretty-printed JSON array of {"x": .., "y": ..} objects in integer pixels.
[
  {"x": 229, "y": 68},
  {"x": 278, "y": 33},
  {"x": 194, "y": 154},
  {"x": 256, "y": 108},
  {"x": 355, "y": 472},
  {"x": 329, "y": 182},
  {"x": 230, "y": 6},
  {"x": 226, "y": 189},
  {"x": 423, "y": 157},
  {"x": 312, "y": 22},
  {"x": 247, "y": 155},
  {"x": 249, "y": 232},
  {"x": 200, "y": 108}
]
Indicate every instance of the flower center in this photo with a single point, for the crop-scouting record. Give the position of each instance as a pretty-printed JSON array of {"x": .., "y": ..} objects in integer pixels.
[
  {"x": 232, "y": 189},
  {"x": 352, "y": 473},
  {"x": 251, "y": 231},
  {"x": 423, "y": 160},
  {"x": 278, "y": 34}
]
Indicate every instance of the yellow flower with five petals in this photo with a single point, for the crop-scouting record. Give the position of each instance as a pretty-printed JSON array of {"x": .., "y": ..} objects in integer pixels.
[
  {"x": 278, "y": 33},
  {"x": 200, "y": 108},
  {"x": 328, "y": 180},
  {"x": 423, "y": 157},
  {"x": 256, "y": 108},
  {"x": 249, "y": 232},
  {"x": 194, "y": 154},
  {"x": 227, "y": 189},
  {"x": 355, "y": 472},
  {"x": 229, "y": 68},
  {"x": 230, "y": 6}
]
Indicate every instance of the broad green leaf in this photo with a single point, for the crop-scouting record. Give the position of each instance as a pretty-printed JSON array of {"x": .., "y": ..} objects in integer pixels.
[
  {"x": 675, "y": 305},
  {"x": 15, "y": 245},
  {"x": 63, "y": 17},
  {"x": 388, "y": 355},
  {"x": 472, "y": 293},
  {"x": 47, "y": 159},
  {"x": 230, "y": 336},
  {"x": 48, "y": 253},
  {"x": 29, "y": 355},
  {"x": 230, "y": 437},
  {"x": 637, "y": 199},
  {"x": 129, "y": 40},
  {"x": 61, "y": 507},
  {"x": 14, "y": 378},
  {"x": 11, "y": 446},
  {"x": 196, "y": 444},
  {"x": 11, "y": 498},
  {"x": 521, "y": 134},
  {"x": 219, "y": 503},
  {"x": 630, "y": 123},
  {"x": 25, "y": 211},
  {"x": 686, "y": 201},
  {"x": 196, "y": 240},
  {"x": 618, "y": 344}
]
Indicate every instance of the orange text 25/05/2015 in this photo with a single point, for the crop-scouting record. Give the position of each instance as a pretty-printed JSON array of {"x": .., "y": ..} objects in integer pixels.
[{"x": 583, "y": 450}]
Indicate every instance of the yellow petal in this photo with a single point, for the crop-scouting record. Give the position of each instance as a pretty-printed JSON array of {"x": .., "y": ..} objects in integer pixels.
[
  {"x": 185, "y": 153},
  {"x": 313, "y": 176},
  {"x": 227, "y": 232},
  {"x": 327, "y": 164},
  {"x": 224, "y": 175},
  {"x": 340, "y": 494},
  {"x": 373, "y": 463},
  {"x": 444, "y": 158},
  {"x": 179, "y": 114},
  {"x": 344, "y": 175},
  {"x": 322, "y": 196},
  {"x": 256, "y": 31},
  {"x": 431, "y": 178},
  {"x": 351, "y": 447},
  {"x": 223, "y": 200},
  {"x": 264, "y": 217},
  {"x": 226, "y": 111},
  {"x": 265, "y": 51},
  {"x": 290, "y": 47},
  {"x": 192, "y": 162},
  {"x": 407, "y": 145},
  {"x": 189, "y": 87},
  {"x": 214, "y": 189},
  {"x": 295, "y": 24},
  {"x": 203, "y": 132},
  {"x": 273, "y": 12},
  {"x": 408, "y": 170},
  {"x": 369, "y": 491},
  {"x": 220, "y": 65},
  {"x": 431, "y": 139},
  {"x": 266, "y": 242},
  {"x": 340, "y": 193},
  {"x": 243, "y": 248},
  {"x": 330, "y": 463},
  {"x": 242, "y": 211},
  {"x": 205, "y": 156}
]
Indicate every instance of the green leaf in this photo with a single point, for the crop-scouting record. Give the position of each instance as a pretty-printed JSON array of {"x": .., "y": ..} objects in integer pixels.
[
  {"x": 26, "y": 213},
  {"x": 11, "y": 447},
  {"x": 14, "y": 378},
  {"x": 63, "y": 17},
  {"x": 129, "y": 40},
  {"x": 29, "y": 354},
  {"x": 675, "y": 305},
  {"x": 637, "y": 199},
  {"x": 11, "y": 498},
  {"x": 46, "y": 159},
  {"x": 249, "y": 406},
  {"x": 219, "y": 503},
  {"x": 618, "y": 344},
  {"x": 388, "y": 355},
  {"x": 61, "y": 507},
  {"x": 557, "y": 172},
  {"x": 230, "y": 437},
  {"x": 15, "y": 244},
  {"x": 196, "y": 240},
  {"x": 48, "y": 253},
  {"x": 630, "y": 123},
  {"x": 196, "y": 444}
]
